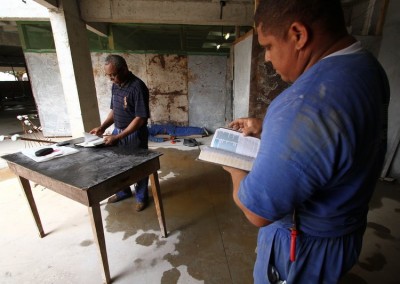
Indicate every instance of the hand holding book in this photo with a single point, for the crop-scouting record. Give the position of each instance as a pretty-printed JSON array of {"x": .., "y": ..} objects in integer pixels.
[
  {"x": 248, "y": 126},
  {"x": 231, "y": 148},
  {"x": 91, "y": 140}
]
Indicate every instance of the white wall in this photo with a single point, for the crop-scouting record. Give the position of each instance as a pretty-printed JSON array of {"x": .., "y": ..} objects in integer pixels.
[
  {"x": 241, "y": 83},
  {"x": 208, "y": 100},
  {"x": 48, "y": 92}
]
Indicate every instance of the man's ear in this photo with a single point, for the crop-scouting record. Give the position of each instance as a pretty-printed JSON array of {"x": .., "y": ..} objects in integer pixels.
[{"x": 299, "y": 34}]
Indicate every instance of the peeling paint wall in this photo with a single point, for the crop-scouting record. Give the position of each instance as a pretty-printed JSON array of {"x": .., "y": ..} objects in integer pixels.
[
  {"x": 164, "y": 75},
  {"x": 167, "y": 83},
  {"x": 184, "y": 90},
  {"x": 265, "y": 83},
  {"x": 136, "y": 64},
  {"x": 172, "y": 80}
]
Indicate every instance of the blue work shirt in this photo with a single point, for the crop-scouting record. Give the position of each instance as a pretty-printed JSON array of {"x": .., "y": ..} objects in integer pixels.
[
  {"x": 127, "y": 102},
  {"x": 322, "y": 149}
]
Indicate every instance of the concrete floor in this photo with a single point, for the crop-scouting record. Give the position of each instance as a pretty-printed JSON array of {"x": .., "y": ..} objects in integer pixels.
[{"x": 209, "y": 239}]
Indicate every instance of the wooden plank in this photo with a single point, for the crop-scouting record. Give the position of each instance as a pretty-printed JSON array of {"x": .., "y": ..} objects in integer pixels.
[
  {"x": 98, "y": 232},
  {"x": 31, "y": 202},
  {"x": 155, "y": 187}
]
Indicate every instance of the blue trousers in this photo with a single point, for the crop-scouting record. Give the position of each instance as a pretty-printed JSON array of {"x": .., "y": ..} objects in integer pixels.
[
  {"x": 318, "y": 260},
  {"x": 134, "y": 141}
]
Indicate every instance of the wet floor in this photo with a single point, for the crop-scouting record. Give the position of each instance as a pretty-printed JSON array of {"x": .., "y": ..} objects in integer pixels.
[{"x": 209, "y": 240}]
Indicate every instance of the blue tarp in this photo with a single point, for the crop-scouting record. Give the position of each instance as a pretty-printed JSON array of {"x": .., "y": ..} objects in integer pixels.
[{"x": 173, "y": 130}]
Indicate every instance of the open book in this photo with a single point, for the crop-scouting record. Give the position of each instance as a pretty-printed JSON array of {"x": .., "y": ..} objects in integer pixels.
[
  {"x": 91, "y": 140},
  {"x": 231, "y": 148}
]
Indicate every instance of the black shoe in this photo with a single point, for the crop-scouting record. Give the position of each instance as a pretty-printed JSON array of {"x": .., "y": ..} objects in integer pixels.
[{"x": 190, "y": 142}]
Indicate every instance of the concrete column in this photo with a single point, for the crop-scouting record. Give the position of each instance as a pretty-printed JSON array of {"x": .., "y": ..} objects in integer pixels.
[
  {"x": 389, "y": 56},
  {"x": 72, "y": 47}
]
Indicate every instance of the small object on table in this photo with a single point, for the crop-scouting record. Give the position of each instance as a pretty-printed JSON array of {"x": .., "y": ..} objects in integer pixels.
[
  {"x": 44, "y": 152},
  {"x": 62, "y": 143}
]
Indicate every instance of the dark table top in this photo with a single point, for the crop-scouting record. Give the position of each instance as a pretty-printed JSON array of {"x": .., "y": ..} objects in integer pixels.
[{"x": 88, "y": 167}]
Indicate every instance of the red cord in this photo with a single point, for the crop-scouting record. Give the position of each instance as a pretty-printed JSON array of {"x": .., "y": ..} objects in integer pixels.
[{"x": 293, "y": 236}]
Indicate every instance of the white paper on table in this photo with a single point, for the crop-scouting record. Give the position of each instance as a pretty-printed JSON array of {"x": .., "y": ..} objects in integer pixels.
[{"x": 59, "y": 151}]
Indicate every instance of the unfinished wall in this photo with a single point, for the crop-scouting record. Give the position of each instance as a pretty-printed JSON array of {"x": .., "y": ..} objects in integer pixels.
[
  {"x": 207, "y": 92},
  {"x": 183, "y": 90},
  {"x": 166, "y": 77},
  {"x": 241, "y": 83},
  {"x": 256, "y": 83},
  {"x": 168, "y": 85},
  {"x": 265, "y": 83},
  {"x": 136, "y": 63},
  {"x": 48, "y": 93}
]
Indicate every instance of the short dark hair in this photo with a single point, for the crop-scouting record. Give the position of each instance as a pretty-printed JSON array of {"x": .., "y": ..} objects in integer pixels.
[
  {"x": 276, "y": 16},
  {"x": 118, "y": 61}
]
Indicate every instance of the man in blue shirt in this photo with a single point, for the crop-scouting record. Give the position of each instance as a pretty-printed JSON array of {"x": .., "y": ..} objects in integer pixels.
[
  {"x": 323, "y": 142},
  {"x": 129, "y": 114}
]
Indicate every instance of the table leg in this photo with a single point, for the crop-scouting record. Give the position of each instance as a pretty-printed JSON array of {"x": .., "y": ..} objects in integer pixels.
[
  {"x": 155, "y": 188},
  {"x": 31, "y": 201},
  {"x": 98, "y": 232}
]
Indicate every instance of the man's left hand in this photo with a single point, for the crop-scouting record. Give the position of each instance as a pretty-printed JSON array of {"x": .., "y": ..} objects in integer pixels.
[{"x": 110, "y": 140}]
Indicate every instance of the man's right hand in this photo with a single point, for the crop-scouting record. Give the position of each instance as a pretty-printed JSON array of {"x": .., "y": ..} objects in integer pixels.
[{"x": 248, "y": 126}]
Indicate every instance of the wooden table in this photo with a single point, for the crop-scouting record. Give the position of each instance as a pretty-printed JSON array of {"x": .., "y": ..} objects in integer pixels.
[{"x": 88, "y": 177}]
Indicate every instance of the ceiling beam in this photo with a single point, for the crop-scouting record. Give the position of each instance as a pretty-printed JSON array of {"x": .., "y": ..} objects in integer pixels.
[
  {"x": 49, "y": 4},
  {"x": 189, "y": 12},
  {"x": 100, "y": 29}
]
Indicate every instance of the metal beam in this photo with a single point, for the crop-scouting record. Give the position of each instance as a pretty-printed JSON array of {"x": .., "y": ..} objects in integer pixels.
[
  {"x": 12, "y": 61},
  {"x": 100, "y": 29}
]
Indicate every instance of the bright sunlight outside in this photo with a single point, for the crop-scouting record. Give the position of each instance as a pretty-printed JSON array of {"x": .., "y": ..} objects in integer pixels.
[{"x": 7, "y": 77}]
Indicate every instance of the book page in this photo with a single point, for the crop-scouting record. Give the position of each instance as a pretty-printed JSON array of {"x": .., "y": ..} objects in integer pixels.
[
  {"x": 236, "y": 142},
  {"x": 225, "y": 158},
  {"x": 248, "y": 146},
  {"x": 93, "y": 143},
  {"x": 91, "y": 137}
]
